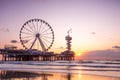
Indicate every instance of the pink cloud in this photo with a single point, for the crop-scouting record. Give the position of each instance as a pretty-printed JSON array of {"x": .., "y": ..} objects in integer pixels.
[{"x": 102, "y": 54}]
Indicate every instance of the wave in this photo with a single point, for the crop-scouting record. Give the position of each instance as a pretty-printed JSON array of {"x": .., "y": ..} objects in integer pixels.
[
  {"x": 66, "y": 65},
  {"x": 86, "y": 67},
  {"x": 91, "y": 64}
]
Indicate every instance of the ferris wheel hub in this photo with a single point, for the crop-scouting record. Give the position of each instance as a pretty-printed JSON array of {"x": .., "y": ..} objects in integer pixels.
[{"x": 37, "y": 35}]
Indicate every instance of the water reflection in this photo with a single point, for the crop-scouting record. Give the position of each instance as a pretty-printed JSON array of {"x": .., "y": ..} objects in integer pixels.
[
  {"x": 21, "y": 75},
  {"x": 79, "y": 73},
  {"x": 67, "y": 76},
  {"x": 10, "y": 75},
  {"x": 18, "y": 75}
]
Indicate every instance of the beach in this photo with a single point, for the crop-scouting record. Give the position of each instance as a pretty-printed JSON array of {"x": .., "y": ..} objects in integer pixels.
[{"x": 60, "y": 70}]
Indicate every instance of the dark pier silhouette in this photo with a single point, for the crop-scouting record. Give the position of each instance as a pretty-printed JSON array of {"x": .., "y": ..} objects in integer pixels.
[{"x": 26, "y": 55}]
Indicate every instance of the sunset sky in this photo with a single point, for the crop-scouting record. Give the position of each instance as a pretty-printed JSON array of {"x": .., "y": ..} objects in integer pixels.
[{"x": 95, "y": 23}]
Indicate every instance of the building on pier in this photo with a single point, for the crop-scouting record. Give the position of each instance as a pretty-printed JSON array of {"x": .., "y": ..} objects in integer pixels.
[{"x": 68, "y": 54}]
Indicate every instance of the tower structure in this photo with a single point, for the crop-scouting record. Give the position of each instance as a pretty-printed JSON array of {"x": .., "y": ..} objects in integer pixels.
[{"x": 68, "y": 38}]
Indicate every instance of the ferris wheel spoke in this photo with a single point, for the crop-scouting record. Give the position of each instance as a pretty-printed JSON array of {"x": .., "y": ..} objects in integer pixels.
[
  {"x": 47, "y": 37},
  {"x": 43, "y": 28},
  {"x": 31, "y": 27},
  {"x": 26, "y": 36},
  {"x": 28, "y": 30},
  {"x": 34, "y": 26},
  {"x": 37, "y": 25},
  {"x": 45, "y": 43},
  {"x": 40, "y": 26},
  {"x": 46, "y": 40},
  {"x": 30, "y": 39},
  {"x": 46, "y": 30},
  {"x": 25, "y": 41},
  {"x": 27, "y": 33},
  {"x": 47, "y": 34}
]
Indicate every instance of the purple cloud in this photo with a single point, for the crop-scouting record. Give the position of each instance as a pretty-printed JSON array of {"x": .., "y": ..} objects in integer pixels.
[
  {"x": 4, "y": 30},
  {"x": 14, "y": 41},
  {"x": 93, "y": 33},
  {"x": 116, "y": 46},
  {"x": 102, "y": 54}
]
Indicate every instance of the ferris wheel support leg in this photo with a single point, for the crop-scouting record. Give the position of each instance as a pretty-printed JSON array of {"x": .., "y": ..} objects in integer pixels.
[
  {"x": 33, "y": 43},
  {"x": 42, "y": 45}
]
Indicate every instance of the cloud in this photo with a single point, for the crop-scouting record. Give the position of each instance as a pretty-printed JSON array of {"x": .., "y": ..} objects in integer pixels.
[
  {"x": 4, "y": 30},
  {"x": 102, "y": 54},
  {"x": 14, "y": 41},
  {"x": 61, "y": 47},
  {"x": 116, "y": 46},
  {"x": 93, "y": 33}
]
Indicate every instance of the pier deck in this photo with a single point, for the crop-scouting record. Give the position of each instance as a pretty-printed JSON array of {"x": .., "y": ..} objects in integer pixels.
[{"x": 26, "y": 55}]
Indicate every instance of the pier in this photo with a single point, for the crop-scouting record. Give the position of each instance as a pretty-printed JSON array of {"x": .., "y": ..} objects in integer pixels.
[{"x": 26, "y": 55}]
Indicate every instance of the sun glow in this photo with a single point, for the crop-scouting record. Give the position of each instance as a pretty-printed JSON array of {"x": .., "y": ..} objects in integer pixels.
[{"x": 79, "y": 53}]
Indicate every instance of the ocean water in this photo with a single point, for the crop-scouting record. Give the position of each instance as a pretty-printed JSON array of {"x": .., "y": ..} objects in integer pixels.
[{"x": 102, "y": 68}]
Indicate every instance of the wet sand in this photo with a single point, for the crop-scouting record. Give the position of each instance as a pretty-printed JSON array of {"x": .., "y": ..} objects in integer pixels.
[{"x": 22, "y": 75}]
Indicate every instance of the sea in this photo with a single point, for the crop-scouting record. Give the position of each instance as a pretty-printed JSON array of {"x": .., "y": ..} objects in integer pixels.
[{"x": 60, "y": 70}]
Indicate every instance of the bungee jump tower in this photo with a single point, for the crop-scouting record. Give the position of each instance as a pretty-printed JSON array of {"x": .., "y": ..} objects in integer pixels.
[{"x": 68, "y": 54}]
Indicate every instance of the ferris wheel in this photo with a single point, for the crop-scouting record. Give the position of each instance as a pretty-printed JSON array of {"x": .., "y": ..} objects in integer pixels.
[{"x": 36, "y": 34}]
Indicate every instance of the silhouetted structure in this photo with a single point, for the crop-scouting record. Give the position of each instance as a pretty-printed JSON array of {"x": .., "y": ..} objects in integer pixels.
[
  {"x": 26, "y": 55},
  {"x": 68, "y": 54},
  {"x": 37, "y": 37}
]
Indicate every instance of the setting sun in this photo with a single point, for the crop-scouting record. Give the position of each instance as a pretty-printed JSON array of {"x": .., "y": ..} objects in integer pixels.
[{"x": 78, "y": 54}]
